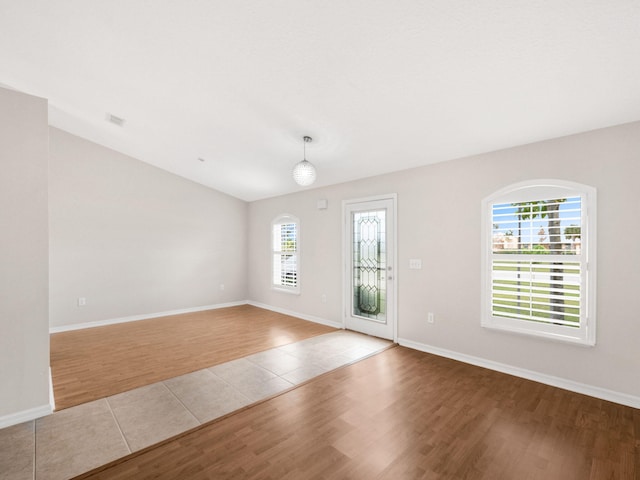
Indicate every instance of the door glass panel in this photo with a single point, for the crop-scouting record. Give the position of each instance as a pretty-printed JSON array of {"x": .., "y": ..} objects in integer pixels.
[{"x": 369, "y": 265}]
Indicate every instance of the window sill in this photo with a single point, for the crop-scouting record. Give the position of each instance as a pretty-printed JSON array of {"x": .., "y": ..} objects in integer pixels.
[
  {"x": 562, "y": 335},
  {"x": 286, "y": 290}
]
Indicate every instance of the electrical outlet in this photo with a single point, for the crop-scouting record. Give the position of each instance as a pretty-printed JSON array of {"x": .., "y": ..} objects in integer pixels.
[
  {"x": 82, "y": 301},
  {"x": 430, "y": 318},
  {"x": 323, "y": 298},
  {"x": 222, "y": 287}
]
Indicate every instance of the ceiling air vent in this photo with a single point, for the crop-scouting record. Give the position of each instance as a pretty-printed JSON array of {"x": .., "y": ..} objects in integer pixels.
[{"x": 115, "y": 120}]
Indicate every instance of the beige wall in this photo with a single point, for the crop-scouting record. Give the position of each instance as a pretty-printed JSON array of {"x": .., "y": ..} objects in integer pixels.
[
  {"x": 439, "y": 222},
  {"x": 135, "y": 240},
  {"x": 24, "y": 331}
]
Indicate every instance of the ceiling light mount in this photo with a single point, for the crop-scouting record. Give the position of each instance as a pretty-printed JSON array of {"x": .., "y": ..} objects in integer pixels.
[{"x": 304, "y": 173}]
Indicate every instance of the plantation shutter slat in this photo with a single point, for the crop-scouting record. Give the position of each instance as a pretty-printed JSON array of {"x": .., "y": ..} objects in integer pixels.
[
  {"x": 536, "y": 261},
  {"x": 285, "y": 255}
]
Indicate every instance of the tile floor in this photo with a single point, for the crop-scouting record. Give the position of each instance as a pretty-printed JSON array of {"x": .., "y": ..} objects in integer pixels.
[{"x": 78, "y": 439}]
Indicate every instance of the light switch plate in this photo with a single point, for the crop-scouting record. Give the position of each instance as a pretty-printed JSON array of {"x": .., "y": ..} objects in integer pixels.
[{"x": 415, "y": 264}]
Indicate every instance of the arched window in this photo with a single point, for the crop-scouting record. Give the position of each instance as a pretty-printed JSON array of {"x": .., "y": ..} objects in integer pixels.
[
  {"x": 538, "y": 264},
  {"x": 285, "y": 246}
]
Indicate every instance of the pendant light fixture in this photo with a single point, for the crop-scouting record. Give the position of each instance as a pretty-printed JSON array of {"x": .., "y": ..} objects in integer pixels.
[{"x": 304, "y": 173}]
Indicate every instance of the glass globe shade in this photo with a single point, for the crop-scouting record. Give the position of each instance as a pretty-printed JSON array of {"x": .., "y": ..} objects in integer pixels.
[{"x": 304, "y": 173}]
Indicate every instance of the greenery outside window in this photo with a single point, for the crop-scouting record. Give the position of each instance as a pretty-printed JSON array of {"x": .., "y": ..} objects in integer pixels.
[
  {"x": 539, "y": 260},
  {"x": 285, "y": 271}
]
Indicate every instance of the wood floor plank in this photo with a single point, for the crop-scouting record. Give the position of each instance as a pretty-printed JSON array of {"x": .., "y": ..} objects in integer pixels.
[
  {"x": 404, "y": 414},
  {"x": 97, "y": 362}
]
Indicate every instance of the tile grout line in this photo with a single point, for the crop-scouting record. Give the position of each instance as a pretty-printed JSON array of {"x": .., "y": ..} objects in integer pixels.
[
  {"x": 271, "y": 371},
  {"x": 281, "y": 376},
  {"x": 115, "y": 419},
  {"x": 310, "y": 363},
  {"x": 180, "y": 401},
  {"x": 235, "y": 389}
]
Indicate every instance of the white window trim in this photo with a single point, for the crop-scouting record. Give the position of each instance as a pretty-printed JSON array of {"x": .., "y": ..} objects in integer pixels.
[
  {"x": 279, "y": 220},
  {"x": 530, "y": 191}
]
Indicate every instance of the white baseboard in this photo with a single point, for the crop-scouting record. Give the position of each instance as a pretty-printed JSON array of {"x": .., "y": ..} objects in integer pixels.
[
  {"x": 597, "y": 392},
  {"x": 303, "y": 316},
  {"x": 32, "y": 413},
  {"x": 52, "y": 400},
  {"x": 146, "y": 316},
  {"x": 25, "y": 416}
]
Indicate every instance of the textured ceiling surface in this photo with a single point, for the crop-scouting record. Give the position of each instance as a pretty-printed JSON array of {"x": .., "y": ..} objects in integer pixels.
[{"x": 379, "y": 85}]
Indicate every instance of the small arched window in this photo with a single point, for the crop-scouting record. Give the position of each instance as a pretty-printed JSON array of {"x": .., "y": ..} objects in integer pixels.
[
  {"x": 285, "y": 250},
  {"x": 538, "y": 264}
]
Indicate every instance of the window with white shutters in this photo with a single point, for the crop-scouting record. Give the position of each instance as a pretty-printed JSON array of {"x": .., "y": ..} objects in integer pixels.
[
  {"x": 285, "y": 271},
  {"x": 539, "y": 259}
]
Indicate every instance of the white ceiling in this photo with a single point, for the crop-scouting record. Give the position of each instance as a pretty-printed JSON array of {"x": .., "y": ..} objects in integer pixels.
[{"x": 379, "y": 85}]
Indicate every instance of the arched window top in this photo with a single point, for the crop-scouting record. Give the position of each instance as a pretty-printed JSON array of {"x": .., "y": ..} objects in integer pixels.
[
  {"x": 285, "y": 218},
  {"x": 532, "y": 190}
]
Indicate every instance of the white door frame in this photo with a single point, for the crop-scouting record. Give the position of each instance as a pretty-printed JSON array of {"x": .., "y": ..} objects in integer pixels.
[{"x": 346, "y": 269}]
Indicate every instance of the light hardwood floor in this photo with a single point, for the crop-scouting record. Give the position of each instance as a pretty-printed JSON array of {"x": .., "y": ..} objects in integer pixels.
[
  {"x": 97, "y": 362},
  {"x": 404, "y": 414}
]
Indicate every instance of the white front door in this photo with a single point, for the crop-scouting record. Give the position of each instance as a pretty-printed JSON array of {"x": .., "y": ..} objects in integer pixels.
[{"x": 370, "y": 276}]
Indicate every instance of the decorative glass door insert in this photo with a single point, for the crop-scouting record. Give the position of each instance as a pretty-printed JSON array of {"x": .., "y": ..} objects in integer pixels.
[{"x": 369, "y": 265}]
